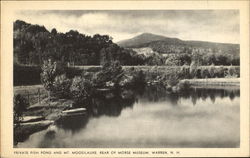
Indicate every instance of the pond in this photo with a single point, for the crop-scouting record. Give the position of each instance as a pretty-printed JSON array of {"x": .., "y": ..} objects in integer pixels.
[{"x": 150, "y": 118}]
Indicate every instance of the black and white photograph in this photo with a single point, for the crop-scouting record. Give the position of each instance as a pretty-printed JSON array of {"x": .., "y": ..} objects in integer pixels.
[{"x": 126, "y": 79}]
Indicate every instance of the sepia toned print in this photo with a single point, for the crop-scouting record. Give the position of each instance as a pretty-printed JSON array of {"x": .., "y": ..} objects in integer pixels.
[
  {"x": 164, "y": 79},
  {"x": 93, "y": 88}
]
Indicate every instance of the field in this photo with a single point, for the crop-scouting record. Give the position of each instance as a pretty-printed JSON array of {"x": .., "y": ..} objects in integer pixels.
[{"x": 34, "y": 93}]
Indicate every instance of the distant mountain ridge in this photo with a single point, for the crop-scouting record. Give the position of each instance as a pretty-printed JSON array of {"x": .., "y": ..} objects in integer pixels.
[
  {"x": 140, "y": 39},
  {"x": 164, "y": 44}
]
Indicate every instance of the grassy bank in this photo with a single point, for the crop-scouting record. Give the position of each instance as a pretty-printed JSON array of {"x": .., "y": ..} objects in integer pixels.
[
  {"x": 34, "y": 93},
  {"x": 213, "y": 82}
]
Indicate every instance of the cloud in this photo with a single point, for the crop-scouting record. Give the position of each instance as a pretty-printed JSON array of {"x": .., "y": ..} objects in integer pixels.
[{"x": 206, "y": 25}]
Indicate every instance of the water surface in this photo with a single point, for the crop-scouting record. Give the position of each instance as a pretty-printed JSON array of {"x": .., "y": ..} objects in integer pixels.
[{"x": 150, "y": 117}]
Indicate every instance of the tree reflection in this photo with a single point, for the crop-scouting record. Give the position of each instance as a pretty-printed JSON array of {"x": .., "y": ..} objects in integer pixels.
[
  {"x": 202, "y": 93},
  {"x": 112, "y": 103},
  {"x": 73, "y": 123},
  {"x": 101, "y": 105}
]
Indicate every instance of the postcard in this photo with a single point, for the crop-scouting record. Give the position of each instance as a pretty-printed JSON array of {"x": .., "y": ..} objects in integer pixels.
[{"x": 124, "y": 78}]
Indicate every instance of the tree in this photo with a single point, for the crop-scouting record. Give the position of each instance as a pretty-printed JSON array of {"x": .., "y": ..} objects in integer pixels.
[
  {"x": 196, "y": 59},
  {"x": 173, "y": 60},
  {"x": 110, "y": 72},
  {"x": 53, "y": 31},
  {"x": 154, "y": 59},
  {"x": 49, "y": 72}
]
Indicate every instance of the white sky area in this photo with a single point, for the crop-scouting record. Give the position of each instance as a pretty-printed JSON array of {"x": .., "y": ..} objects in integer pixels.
[{"x": 203, "y": 25}]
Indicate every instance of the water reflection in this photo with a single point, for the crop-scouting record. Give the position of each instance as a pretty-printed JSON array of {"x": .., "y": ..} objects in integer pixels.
[
  {"x": 73, "y": 123},
  {"x": 150, "y": 117},
  {"x": 159, "y": 93},
  {"x": 112, "y": 106}
]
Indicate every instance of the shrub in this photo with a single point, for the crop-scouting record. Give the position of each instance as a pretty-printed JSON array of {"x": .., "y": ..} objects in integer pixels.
[
  {"x": 173, "y": 61},
  {"x": 184, "y": 86},
  {"x": 20, "y": 105},
  {"x": 110, "y": 72},
  {"x": 212, "y": 71},
  {"x": 133, "y": 78},
  {"x": 184, "y": 72},
  {"x": 219, "y": 72},
  {"x": 172, "y": 77},
  {"x": 237, "y": 71},
  {"x": 81, "y": 90},
  {"x": 61, "y": 87},
  {"x": 205, "y": 73},
  {"x": 232, "y": 72}
]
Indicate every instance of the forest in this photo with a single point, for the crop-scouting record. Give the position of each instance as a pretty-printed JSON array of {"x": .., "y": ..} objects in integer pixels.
[{"x": 34, "y": 43}]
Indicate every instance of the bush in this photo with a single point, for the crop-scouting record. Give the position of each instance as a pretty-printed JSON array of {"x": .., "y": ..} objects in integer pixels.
[
  {"x": 172, "y": 77},
  {"x": 237, "y": 71},
  {"x": 212, "y": 71},
  {"x": 173, "y": 61},
  {"x": 110, "y": 72},
  {"x": 81, "y": 90},
  {"x": 219, "y": 72},
  {"x": 184, "y": 86},
  {"x": 20, "y": 105},
  {"x": 133, "y": 77},
  {"x": 205, "y": 73},
  {"x": 232, "y": 72},
  {"x": 61, "y": 87},
  {"x": 184, "y": 72}
]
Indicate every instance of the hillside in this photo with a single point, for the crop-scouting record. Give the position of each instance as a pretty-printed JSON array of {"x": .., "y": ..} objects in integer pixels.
[
  {"x": 140, "y": 39},
  {"x": 166, "y": 45},
  {"x": 33, "y": 44}
]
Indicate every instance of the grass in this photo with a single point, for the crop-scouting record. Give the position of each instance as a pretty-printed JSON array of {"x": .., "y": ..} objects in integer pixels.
[
  {"x": 31, "y": 93},
  {"x": 213, "y": 82},
  {"x": 48, "y": 109}
]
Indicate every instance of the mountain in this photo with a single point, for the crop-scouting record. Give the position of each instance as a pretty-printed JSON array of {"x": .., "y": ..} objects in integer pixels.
[
  {"x": 166, "y": 45},
  {"x": 140, "y": 39}
]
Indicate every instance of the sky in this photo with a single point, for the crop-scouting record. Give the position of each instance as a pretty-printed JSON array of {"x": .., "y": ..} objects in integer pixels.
[{"x": 203, "y": 25}]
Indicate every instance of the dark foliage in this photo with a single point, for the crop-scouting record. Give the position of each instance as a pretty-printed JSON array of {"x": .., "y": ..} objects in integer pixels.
[
  {"x": 20, "y": 105},
  {"x": 33, "y": 44},
  {"x": 26, "y": 75},
  {"x": 111, "y": 72}
]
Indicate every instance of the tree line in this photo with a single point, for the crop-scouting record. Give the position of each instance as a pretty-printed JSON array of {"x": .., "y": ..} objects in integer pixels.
[{"x": 33, "y": 44}]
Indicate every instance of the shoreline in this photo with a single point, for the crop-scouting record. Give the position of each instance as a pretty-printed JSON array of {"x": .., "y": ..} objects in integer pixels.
[{"x": 213, "y": 82}]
